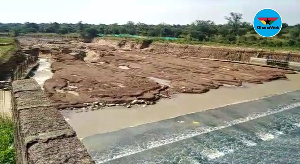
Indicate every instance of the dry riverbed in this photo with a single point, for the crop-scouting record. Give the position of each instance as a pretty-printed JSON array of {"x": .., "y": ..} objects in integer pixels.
[{"x": 110, "y": 75}]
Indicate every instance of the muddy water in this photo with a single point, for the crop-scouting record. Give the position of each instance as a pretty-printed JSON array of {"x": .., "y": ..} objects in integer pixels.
[
  {"x": 116, "y": 118},
  {"x": 5, "y": 103},
  {"x": 261, "y": 131},
  {"x": 43, "y": 71}
]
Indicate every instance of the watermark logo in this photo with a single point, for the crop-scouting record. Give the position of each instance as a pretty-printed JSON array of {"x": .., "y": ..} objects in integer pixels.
[{"x": 267, "y": 23}]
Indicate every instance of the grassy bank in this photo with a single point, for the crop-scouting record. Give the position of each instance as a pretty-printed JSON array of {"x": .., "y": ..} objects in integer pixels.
[
  {"x": 7, "y": 47},
  {"x": 253, "y": 45},
  {"x": 7, "y": 149}
]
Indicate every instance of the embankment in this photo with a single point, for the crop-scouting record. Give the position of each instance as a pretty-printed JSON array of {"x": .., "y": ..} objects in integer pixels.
[
  {"x": 19, "y": 65},
  {"x": 42, "y": 135},
  {"x": 200, "y": 51},
  {"x": 223, "y": 53}
]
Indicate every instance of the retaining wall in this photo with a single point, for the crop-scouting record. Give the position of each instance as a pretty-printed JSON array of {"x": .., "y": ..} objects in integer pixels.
[
  {"x": 42, "y": 135},
  {"x": 19, "y": 65}
]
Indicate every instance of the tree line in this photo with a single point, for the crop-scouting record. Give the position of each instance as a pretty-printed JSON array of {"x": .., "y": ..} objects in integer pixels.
[{"x": 235, "y": 31}]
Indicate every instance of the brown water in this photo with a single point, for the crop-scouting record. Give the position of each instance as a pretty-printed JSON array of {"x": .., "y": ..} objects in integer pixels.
[
  {"x": 43, "y": 72},
  {"x": 116, "y": 118},
  {"x": 5, "y": 103}
]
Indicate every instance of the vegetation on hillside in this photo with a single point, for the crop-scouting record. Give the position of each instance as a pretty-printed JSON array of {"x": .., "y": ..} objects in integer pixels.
[
  {"x": 7, "y": 45},
  {"x": 235, "y": 31},
  {"x": 7, "y": 149}
]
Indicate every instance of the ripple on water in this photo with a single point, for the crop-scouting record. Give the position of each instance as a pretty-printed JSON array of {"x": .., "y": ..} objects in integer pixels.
[
  {"x": 212, "y": 142},
  {"x": 43, "y": 72}
]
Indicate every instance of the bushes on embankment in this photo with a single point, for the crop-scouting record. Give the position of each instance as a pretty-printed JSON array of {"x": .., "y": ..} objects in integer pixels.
[
  {"x": 7, "y": 48},
  {"x": 7, "y": 149}
]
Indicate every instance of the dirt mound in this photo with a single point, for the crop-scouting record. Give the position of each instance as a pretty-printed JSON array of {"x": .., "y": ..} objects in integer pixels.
[
  {"x": 92, "y": 83},
  {"x": 146, "y": 44}
]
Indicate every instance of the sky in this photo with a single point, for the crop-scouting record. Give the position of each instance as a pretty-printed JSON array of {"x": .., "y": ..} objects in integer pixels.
[{"x": 145, "y": 11}]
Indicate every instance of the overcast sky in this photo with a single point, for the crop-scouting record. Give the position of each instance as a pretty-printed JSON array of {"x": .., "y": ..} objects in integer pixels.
[{"x": 145, "y": 11}]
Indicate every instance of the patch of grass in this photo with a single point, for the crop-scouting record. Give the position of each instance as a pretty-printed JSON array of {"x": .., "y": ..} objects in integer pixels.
[
  {"x": 7, "y": 46},
  {"x": 7, "y": 40},
  {"x": 71, "y": 35},
  {"x": 7, "y": 149},
  {"x": 5, "y": 54}
]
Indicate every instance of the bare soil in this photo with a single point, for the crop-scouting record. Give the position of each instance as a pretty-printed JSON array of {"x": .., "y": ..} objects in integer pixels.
[
  {"x": 122, "y": 74},
  {"x": 106, "y": 73}
]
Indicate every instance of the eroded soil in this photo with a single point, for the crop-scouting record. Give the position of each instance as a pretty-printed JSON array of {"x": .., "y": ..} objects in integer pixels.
[{"x": 122, "y": 74}]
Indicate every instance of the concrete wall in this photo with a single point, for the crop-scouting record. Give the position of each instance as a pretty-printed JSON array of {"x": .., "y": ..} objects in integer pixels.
[
  {"x": 15, "y": 69},
  {"x": 19, "y": 65},
  {"x": 42, "y": 135}
]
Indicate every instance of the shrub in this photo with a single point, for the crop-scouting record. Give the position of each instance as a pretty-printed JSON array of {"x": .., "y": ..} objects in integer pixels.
[
  {"x": 291, "y": 42},
  {"x": 278, "y": 43},
  {"x": 7, "y": 150},
  {"x": 252, "y": 38}
]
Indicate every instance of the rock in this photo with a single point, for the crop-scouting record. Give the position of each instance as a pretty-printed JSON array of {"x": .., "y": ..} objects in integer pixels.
[
  {"x": 128, "y": 106},
  {"x": 148, "y": 96},
  {"x": 72, "y": 87},
  {"x": 134, "y": 102},
  {"x": 144, "y": 106}
]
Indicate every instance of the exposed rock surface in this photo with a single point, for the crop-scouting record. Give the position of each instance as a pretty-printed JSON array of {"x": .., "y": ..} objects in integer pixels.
[{"x": 119, "y": 72}]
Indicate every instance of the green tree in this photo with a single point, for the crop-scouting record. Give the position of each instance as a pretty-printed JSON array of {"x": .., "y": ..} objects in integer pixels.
[
  {"x": 130, "y": 27},
  {"x": 285, "y": 25},
  {"x": 234, "y": 21},
  {"x": 207, "y": 28},
  {"x": 89, "y": 33},
  {"x": 63, "y": 30},
  {"x": 79, "y": 27}
]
